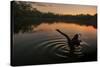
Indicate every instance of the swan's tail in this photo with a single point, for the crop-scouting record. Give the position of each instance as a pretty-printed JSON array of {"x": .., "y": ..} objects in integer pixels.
[{"x": 83, "y": 43}]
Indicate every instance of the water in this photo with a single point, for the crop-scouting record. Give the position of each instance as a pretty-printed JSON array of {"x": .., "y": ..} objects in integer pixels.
[{"x": 42, "y": 44}]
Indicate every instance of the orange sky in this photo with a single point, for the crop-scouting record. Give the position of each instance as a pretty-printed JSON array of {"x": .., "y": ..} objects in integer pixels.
[{"x": 65, "y": 8}]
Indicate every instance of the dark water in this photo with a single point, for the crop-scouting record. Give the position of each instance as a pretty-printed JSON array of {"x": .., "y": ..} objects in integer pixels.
[{"x": 42, "y": 44}]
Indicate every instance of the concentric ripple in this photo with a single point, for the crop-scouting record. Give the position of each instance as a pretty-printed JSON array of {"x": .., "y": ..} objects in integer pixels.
[{"x": 56, "y": 47}]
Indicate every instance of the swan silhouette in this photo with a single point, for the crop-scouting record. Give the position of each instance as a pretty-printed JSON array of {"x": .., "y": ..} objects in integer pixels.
[{"x": 71, "y": 42}]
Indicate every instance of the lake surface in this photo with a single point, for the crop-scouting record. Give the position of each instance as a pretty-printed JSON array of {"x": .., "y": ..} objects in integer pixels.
[{"x": 41, "y": 44}]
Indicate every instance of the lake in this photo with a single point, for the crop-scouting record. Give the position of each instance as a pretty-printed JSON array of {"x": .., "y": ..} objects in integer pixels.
[{"x": 41, "y": 44}]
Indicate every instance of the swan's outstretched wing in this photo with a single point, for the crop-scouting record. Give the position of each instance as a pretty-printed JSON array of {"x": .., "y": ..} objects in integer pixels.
[{"x": 63, "y": 34}]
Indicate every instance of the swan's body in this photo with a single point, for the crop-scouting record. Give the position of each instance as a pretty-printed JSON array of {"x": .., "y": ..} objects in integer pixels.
[{"x": 71, "y": 42}]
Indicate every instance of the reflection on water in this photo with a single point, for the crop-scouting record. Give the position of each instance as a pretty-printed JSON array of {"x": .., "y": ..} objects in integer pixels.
[
  {"x": 57, "y": 25},
  {"x": 43, "y": 44}
]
